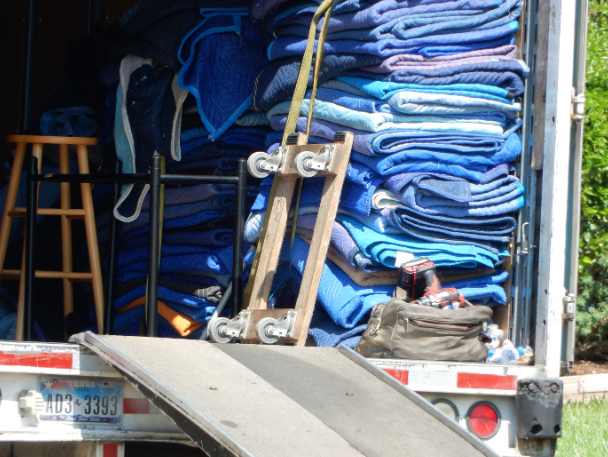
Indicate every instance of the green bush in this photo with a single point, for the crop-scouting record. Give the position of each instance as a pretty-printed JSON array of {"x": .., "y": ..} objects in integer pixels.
[{"x": 592, "y": 313}]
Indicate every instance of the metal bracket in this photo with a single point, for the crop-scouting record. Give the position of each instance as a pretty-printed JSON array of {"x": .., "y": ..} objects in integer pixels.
[
  {"x": 577, "y": 110},
  {"x": 323, "y": 160},
  {"x": 236, "y": 327},
  {"x": 284, "y": 329},
  {"x": 569, "y": 307},
  {"x": 275, "y": 161},
  {"x": 523, "y": 247}
]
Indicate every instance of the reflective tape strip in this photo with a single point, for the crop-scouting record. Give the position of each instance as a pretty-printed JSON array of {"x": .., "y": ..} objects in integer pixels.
[
  {"x": 110, "y": 450},
  {"x": 38, "y": 360},
  {"x": 136, "y": 406},
  {"x": 452, "y": 380},
  {"x": 486, "y": 381}
]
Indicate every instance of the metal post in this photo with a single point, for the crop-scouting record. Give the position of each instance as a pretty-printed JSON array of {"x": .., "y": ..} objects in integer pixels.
[
  {"x": 153, "y": 248},
  {"x": 111, "y": 273},
  {"x": 96, "y": 16},
  {"x": 577, "y": 165},
  {"x": 239, "y": 228},
  {"x": 29, "y": 61},
  {"x": 30, "y": 225}
]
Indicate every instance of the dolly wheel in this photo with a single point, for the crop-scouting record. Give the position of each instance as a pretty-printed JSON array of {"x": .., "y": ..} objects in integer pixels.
[
  {"x": 301, "y": 164},
  {"x": 253, "y": 164},
  {"x": 217, "y": 330},
  {"x": 264, "y": 330}
]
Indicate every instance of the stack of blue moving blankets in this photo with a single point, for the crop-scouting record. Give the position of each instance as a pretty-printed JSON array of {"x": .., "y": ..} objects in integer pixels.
[
  {"x": 431, "y": 91},
  {"x": 184, "y": 93}
]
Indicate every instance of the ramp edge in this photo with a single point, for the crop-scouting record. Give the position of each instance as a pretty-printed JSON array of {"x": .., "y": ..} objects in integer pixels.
[
  {"x": 212, "y": 440},
  {"x": 418, "y": 400}
]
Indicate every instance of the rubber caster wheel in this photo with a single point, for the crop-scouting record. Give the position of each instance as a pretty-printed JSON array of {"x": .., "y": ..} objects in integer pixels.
[
  {"x": 217, "y": 330},
  {"x": 253, "y": 164},
  {"x": 300, "y": 164},
  {"x": 264, "y": 325}
]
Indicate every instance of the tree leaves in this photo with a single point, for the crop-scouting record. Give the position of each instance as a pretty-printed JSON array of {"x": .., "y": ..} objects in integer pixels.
[{"x": 592, "y": 309}]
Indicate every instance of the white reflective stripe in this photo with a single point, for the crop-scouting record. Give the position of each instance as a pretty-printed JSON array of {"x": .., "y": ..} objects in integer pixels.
[{"x": 430, "y": 379}]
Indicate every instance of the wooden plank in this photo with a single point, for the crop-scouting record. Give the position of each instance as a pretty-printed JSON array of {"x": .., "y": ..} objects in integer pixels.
[
  {"x": 15, "y": 274},
  {"x": 272, "y": 242},
  {"x": 594, "y": 383},
  {"x": 571, "y": 385},
  {"x": 273, "y": 231},
  {"x": 70, "y": 213},
  {"x": 321, "y": 238}
]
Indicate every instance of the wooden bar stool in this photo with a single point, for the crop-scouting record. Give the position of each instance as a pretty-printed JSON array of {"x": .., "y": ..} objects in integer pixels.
[{"x": 66, "y": 212}]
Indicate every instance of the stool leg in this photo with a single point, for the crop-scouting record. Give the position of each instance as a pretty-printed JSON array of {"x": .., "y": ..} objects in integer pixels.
[
  {"x": 11, "y": 198},
  {"x": 66, "y": 231},
  {"x": 20, "y": 330},
  {"x": 91, "y": 231}
]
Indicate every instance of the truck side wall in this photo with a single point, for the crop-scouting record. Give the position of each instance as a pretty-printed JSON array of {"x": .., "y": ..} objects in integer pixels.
[{"x": 555, "y": 141}]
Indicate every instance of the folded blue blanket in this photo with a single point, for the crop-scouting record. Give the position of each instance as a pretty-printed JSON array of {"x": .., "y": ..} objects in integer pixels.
[
  {"x": 260, "y": 9},
  {"x": 510, "y": 150},
  {"x": 497, "y": 229},
  {"x": 371, "y": 105},
  {"x": 326, "y": 333},
  {"x": 277, "y": 80},
  {"x": 375, "y": 122},
  {"x": 430, "y": 46},
  {"x": 344, "y": 301},
  {"x": 401, "y": 141},
  {"x": 451, "y": 94},
  {"x": 427, "y": 24},
  {"x": 221, "y": 58},
  {"x": 220, "y": 237},
  {"x": 198, "y": 137},
  {"x": 383, "y": 248},
  {"x": 491, "y": 203},
  {"x": 507, "y": 80},
  {"x": 323, "y": 129},
  {"x": 371, "y": 14},
  {"x": 81, "y": 121},
  {"x": 424, "y": 25},
  {"x": 195, "y": 308},
  {"x": 177, "y": 259}
]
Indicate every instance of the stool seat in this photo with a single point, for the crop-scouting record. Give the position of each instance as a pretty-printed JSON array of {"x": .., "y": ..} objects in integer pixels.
[
  {"x": 66, "y": 212},
  {"x": 41, "y": 139}
]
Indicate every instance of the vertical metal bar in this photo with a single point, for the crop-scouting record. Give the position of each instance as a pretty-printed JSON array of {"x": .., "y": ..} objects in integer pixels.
[
  {"x": 111, "y": 273},
  {"x": 154, "y": 248},
  {"x": 239, "y": 228},
  {"x": 30, "y": 225},
  {"x": 523, "y": 264},
  {"x": 29, "y": 60},
  {"x": 577, "y": 165},
  {"x": 96, "y": 16}
]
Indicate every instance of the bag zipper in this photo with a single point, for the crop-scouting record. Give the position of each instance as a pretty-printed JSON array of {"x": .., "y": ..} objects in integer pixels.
[{"x": 428, "y": 323}]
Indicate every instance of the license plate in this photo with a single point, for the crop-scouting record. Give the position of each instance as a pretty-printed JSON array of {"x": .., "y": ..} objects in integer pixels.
[{"x": 81, "y": 400}]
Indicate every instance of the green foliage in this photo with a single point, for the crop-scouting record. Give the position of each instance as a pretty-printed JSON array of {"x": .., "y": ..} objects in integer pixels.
[
  {"x": 584, "y": 432},
  {"x": 592, "y": 315}
]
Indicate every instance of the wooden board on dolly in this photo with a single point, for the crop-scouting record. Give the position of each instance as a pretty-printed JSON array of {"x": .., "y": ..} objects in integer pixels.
[{"x": 289, "y": 163}]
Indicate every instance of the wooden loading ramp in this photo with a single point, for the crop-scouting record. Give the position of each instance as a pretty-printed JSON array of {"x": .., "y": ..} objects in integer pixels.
[{"x": 279, "y": 401}]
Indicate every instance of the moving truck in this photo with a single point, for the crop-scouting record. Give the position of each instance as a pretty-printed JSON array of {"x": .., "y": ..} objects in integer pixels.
[{"x": 511, "y": 410}]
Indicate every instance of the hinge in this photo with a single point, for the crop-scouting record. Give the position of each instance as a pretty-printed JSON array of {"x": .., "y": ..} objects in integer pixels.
[
  {"x": 569, "y": 307},
  {"x": 577, "y": 109}
]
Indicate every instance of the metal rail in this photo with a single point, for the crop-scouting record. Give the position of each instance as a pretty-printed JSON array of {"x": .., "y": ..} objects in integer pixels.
[{"x": 155, "y": 178}]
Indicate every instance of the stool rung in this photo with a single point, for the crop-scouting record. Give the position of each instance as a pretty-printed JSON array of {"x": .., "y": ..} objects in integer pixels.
[
  {"x": 72, "y": 213},
  {"x": 16, "y": 274}
]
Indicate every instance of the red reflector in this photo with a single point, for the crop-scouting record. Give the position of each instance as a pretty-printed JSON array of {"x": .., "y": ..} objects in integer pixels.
[{"x": 483, "y": 419}]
